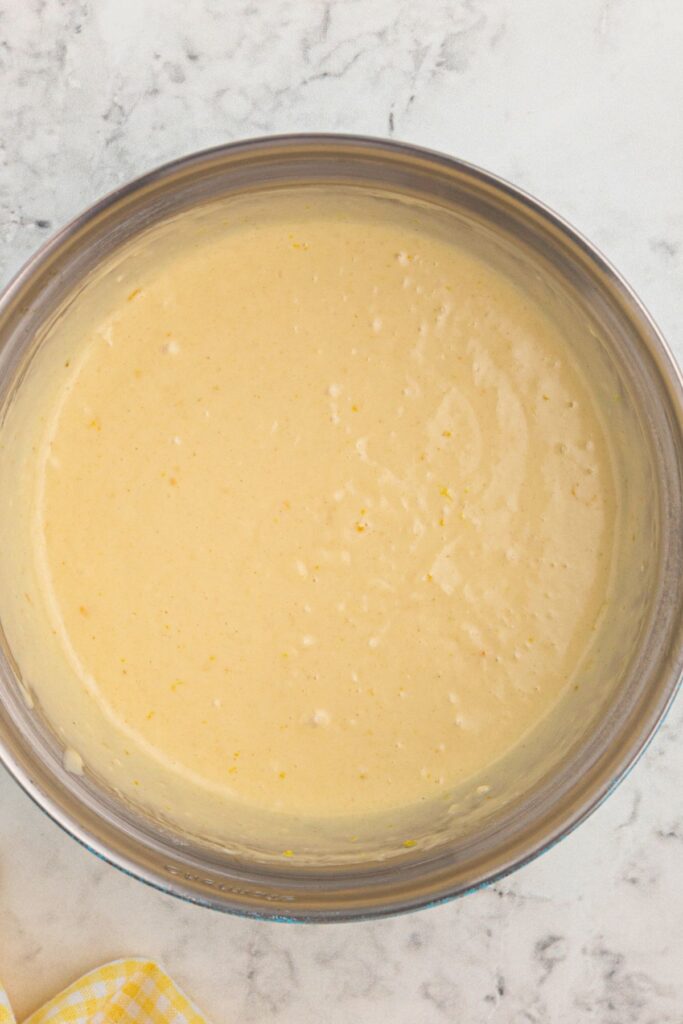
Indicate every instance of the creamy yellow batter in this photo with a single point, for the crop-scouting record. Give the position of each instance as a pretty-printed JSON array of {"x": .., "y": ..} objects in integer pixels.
[{"x": 312, "y": 514}]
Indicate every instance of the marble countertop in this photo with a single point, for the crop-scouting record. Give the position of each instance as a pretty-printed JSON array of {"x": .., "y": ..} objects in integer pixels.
[{"x": 580, "y": 104}]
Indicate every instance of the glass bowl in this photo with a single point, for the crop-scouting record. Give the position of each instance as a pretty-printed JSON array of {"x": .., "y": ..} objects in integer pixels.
[{"x": 592, "y": 755}]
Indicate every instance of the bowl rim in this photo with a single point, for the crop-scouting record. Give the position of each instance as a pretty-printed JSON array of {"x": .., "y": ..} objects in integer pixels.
[{"x": 667, "y": 367}]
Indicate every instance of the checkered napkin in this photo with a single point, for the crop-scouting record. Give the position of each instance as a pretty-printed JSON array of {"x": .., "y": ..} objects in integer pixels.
[{"x": 123, "y": 992}]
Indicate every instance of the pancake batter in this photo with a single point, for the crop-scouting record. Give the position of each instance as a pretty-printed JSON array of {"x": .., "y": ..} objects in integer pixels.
[{"x": 311, "y": 514}]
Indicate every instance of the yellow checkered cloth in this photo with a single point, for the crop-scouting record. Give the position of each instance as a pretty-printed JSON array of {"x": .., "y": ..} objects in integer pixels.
[{"x": 123, "y": 992}]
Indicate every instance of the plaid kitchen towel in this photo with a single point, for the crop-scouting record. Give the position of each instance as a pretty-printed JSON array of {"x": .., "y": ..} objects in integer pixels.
[{"x": 123, "y": 992}]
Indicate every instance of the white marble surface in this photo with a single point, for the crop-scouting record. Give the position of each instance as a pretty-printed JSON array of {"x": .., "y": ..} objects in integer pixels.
[{"x": 581, "y": 104}]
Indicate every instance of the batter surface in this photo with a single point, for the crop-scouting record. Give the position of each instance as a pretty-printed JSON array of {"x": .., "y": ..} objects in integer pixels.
[{"x": 312, "y": 514}]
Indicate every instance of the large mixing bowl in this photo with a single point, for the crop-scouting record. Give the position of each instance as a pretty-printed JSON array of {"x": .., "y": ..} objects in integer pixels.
[{"x": 630, "y": 687}]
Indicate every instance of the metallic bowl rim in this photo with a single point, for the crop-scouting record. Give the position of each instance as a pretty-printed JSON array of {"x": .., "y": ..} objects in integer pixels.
[{"x": 667, "y": 366}]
